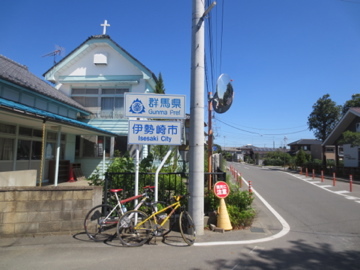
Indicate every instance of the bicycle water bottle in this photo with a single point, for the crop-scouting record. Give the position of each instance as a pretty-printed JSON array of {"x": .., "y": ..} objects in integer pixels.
[{"x": 123, "y": 208}]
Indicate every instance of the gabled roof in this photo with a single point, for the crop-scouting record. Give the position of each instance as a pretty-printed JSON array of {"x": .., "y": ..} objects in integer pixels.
[
  {"x": 306, "y": 142},
  {"x": 19, "y": 75},
  {"x": 87, "y": 44},
  {"x": 342, "y": 126}
]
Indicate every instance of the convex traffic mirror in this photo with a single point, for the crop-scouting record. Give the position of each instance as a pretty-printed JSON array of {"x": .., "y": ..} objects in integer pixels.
[{"x": 224, "y": 95}]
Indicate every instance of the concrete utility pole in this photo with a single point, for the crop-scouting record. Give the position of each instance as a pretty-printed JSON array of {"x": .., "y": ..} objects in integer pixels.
[{"x": 196, "y": 166}]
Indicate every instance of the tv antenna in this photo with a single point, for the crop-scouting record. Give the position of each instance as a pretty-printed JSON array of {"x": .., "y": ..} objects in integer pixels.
[{"x": 58, "y": 51}]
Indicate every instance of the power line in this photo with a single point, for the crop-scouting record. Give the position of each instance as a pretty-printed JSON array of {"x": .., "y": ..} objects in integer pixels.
[{"x": 262, "y": 134}]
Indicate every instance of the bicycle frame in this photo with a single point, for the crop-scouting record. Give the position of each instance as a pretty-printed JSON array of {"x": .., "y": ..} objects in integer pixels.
[
  {"x": 135, "y": 227},
  {"x": 175, "y": 206},
  {"x": 144, "y": 197}
]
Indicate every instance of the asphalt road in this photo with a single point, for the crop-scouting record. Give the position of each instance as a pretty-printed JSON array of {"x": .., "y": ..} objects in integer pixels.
[
  {"x": 324, "y": 234},
  {"x": 324, "y": 220}
]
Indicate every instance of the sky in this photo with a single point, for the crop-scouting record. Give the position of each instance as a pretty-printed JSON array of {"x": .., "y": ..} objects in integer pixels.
[{"x": 282, "y": 55}]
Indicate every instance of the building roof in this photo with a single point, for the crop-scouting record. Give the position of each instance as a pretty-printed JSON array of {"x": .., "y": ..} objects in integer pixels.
[
  {"x": 97, "y": 38},
  {"x": 342, "y": 126},
  {"x": 77, "y": 127},
  {"x": 251, "y": 148},
  {"x": 306, "y": 142},
  {"x": 18, "y": 74}
]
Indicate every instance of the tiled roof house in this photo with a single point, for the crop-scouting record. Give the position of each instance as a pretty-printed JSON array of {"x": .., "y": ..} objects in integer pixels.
[{"x": 33, "y": 115}]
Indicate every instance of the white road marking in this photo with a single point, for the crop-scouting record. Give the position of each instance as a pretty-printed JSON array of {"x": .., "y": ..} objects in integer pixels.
[
  {"x": 341, "y": 191},
  {"x": 325, "y": 187},
  {"x": 285, "y": 227},
  {"x": 351, "y": 198}
]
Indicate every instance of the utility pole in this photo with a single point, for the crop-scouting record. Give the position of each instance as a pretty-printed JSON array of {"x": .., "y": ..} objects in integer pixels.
[{"x": 196, "y": 166}]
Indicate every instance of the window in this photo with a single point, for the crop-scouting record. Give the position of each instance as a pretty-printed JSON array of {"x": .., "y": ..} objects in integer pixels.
[
  {"x": 92, "y": 146},
  {"x": 114, "y": 91},
  {"x": 105, "y": 102},
  {"x": 7, "y": 129},
  {"x": 24, "y": 131},
  {"x": 306, "y": 148},
  {"x": 6, "y": 149},
  {"x": 36, "y": 148},
  {"x": 112, "y": 107},
  {"x": 87, "y": 101},
  {"x": 29, "y": 132},
  {"x": 23, "y": 150},
  {"x": 81, "y": 91},
  {"x": 7, "y": 141}
]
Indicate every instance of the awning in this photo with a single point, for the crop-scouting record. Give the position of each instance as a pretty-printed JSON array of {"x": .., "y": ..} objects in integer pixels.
[{"x": 13, "y": 112}]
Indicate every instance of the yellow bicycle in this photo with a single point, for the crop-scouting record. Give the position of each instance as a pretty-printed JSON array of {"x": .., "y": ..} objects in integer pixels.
[{"x": 136, "y": 227}]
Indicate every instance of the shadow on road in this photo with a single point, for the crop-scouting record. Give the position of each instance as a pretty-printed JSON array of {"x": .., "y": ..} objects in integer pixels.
[{"x": 299, "y": 256}]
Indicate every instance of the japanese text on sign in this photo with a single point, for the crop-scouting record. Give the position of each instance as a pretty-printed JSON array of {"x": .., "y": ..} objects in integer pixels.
[
  {"x": 154, "y": 106},
  {"x": 154, "y": 132},
  {"x": 221, "y": 189}
]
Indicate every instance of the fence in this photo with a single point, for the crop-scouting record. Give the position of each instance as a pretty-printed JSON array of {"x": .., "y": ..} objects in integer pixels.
[
  {"x": 169, "y": 183},
  {"x": 342, "y": 172}
]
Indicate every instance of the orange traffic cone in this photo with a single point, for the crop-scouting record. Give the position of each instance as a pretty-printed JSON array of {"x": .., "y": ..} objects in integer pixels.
[
  {"x": 223, "y": 219},
  {"x": 71, "y": 174}
]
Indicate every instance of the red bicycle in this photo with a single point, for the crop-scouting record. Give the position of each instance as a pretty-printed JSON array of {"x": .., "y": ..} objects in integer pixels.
[{"x": 101, "y": 221}]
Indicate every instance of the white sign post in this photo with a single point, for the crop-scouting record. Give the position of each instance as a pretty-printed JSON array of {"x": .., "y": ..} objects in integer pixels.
[{"x": 154, "y": 132}]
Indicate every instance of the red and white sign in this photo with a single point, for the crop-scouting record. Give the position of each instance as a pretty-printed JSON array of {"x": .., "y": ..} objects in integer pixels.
[{"x": 221, "y": 189}]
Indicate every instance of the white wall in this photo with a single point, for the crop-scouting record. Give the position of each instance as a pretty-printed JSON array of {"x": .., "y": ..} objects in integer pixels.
[
  {"x": 116, "y": 64},
  {"x": 351, "y": 156},
  {"x": 18, "y": 178}
]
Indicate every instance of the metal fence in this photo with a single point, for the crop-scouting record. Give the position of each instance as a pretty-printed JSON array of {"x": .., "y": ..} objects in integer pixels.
[{"x": 169, "y": 184}]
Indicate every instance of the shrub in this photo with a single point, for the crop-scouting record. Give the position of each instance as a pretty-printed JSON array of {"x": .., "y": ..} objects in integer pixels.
[
  {"x": 211, "y": 202},
  {"x": 241, "y": 199},
  {"x": 95, "y": 178},
  {"x": 240, "y": 219},
  {"x": 238, "y": 204}
]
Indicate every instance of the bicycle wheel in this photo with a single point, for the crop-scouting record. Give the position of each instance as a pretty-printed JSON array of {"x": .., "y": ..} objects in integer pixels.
[
  {"x": 132, "y": 230},
  {"x": 187, "y": 228},
  {"x": 100, "y": 223}
]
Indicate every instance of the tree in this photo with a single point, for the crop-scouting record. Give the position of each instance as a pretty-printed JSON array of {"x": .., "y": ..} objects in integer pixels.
[
  {"x": 159, "y": 87},
  {"x": 353, "y": 102},
  {"x": 324, "y": 117},
  {"x": 277, "y": 158},
  {"x": 301, "y": 158},
  {"x": 350, "y": 137}
]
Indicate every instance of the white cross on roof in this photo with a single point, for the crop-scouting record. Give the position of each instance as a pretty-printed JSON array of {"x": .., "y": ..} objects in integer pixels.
[{"x": 105, "y": 24}]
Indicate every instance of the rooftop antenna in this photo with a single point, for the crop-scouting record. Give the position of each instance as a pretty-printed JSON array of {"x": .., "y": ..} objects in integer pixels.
[{"x": 58, "y": 51}]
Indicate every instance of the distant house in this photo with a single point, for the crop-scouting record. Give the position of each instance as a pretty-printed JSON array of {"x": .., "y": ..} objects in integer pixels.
[
  {"x": 250, "y": 151},
  {"x": 38, "y": 128},
  {"x": 350, "y": 121},
  {"x": 309, "y": 146},
  {"x": 314, "y": 149}
]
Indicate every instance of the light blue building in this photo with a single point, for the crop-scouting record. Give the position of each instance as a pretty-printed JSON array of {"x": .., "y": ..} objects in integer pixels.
[{"x": 45, "y": 129}]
